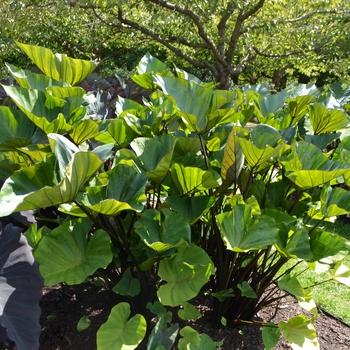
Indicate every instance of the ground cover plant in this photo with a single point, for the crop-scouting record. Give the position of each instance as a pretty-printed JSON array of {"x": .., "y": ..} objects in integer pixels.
[{"x": 176, "y": 197}]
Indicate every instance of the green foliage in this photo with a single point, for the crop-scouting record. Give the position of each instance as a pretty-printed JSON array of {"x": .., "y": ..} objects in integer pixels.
[
  {"x": 256, "y": 41},
  {"x": 120, "y": 332},
  {"x": 186, "y": 200}
]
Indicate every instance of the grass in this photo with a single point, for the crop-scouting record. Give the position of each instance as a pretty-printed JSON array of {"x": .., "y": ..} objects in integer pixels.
[{"x": 331, "y": 296}]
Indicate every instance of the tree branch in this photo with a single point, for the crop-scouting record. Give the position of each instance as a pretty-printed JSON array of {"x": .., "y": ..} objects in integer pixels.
[
  {"x": 156, "y": 36},
  {"x": 66, "y": 46},
  {"x": 196, "y": 20},
  {"x": 241, "y": 65},
  {"x": 301, "y": 18},
  {"x": 222, "y": 28},
  {"x": 252, "y": 11},
  {"x": 236, "y": 33}
]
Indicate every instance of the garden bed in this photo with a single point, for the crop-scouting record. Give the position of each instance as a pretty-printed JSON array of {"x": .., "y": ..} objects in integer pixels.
[{"x": 63, "y": 307}]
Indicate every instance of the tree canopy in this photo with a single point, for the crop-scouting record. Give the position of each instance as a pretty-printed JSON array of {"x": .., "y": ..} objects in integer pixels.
[{"x": 240, "y": 41}]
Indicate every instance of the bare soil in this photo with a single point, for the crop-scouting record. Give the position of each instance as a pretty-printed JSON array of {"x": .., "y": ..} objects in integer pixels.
[{"x": 63, "y": 306}]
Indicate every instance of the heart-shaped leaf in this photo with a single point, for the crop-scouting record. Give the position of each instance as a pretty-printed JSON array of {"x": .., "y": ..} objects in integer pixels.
[
  {"x": 66, "y": 255},
  {"x": 120, "y": 332},
  {"x": 186, "y": 273},
  {"x": 163, "y": 234},
  {"x": 192, "y": 179},
  {"x": 300, "y": 333},
  {"x": 241, "y": 232}
]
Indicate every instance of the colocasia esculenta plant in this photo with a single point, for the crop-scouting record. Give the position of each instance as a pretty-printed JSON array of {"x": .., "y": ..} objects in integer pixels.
[{"x": 177, "y": 197}]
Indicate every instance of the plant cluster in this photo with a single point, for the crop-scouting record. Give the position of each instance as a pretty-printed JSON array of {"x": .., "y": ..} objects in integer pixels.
[{"x": 178, "y": 196}]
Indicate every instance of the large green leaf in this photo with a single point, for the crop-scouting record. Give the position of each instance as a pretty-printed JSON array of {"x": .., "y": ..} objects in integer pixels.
[
  {"x": 44, "y": 110},
  {"x": 265, "y": 135},
  {"x": 125, "y": 104},
  {"x": 124, "y": 190},
  {"x": 63, "y": 149},
  {"x": 298, "y": 244},
  {"x": 65, "y": 92},
  {"x": 323, "y": 120},
  {"x": 16, "y": 130},
  {"x": 185, "y": 274},
  {"x": 298, "y": 106},
  {"x": 334, "y": 201},
  {"x": 155, "y": 154},
  {"x": 256, "y": 156},
  {"x": 85, "y": 130},
  {"x": 38, "y": 187},
  {"x": 121, "y": 133},
  {"x": 191, "y": 179},
  {"x": 163, "y": 234},
  {"x": 265, "y": 145},
  {"x": 195, "y": 102},
  {"x": 10, "y": 162},
  {"x": 120, "y": 332},
  {"x": 191, "y": 208},
  {"x": 148, "y": 63},
  {"x": 326, "y": 244},
  {"x": 271, "y": 104},
  {"x": 30, "y": 80},
  {"x": 67, "y": 255},
  {"x": 146, "y": 68},
  {"x": 322, "y": 140},
  {"x": 58, "y": 66},
  {"x": 233, "y": 159},
  {"x": 241, "y": 232},
  {"x": 300, "y": 333},
  {"x": 291, "y": 285},
  {"x": 294, "y": 239},
  {"x": 308, "y": 167},
  {"x": 185, "y": 145}
]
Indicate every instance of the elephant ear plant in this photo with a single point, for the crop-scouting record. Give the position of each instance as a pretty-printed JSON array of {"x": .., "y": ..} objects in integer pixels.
[{"x": 177, "y": 198}]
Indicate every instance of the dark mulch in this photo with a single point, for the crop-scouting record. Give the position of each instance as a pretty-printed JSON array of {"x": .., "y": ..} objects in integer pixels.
[{"x": 62, "y": 307}]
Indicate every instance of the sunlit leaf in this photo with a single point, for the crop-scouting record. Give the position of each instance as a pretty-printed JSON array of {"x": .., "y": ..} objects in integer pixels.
[
  {"x": 300, "y": 333},
  {"x": 191, "y": 179},
  {"x": 58, "y": 66},
  {"x": 163, "y": 234},
  {"x": 341, "y": 273},
  {"x": 241, "y": 232},
  {"x": 185, "y": 274},
  {"x": 233, "y": 159},
  {"x": 119, "y": 332},
  {"x": 70, "y": 258},
  {"x": 271, "y": 335},
  {"x": 191, "y": 208},
  {"x": 308, "y": 167},
  {"x": 323, "y": 120}
]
